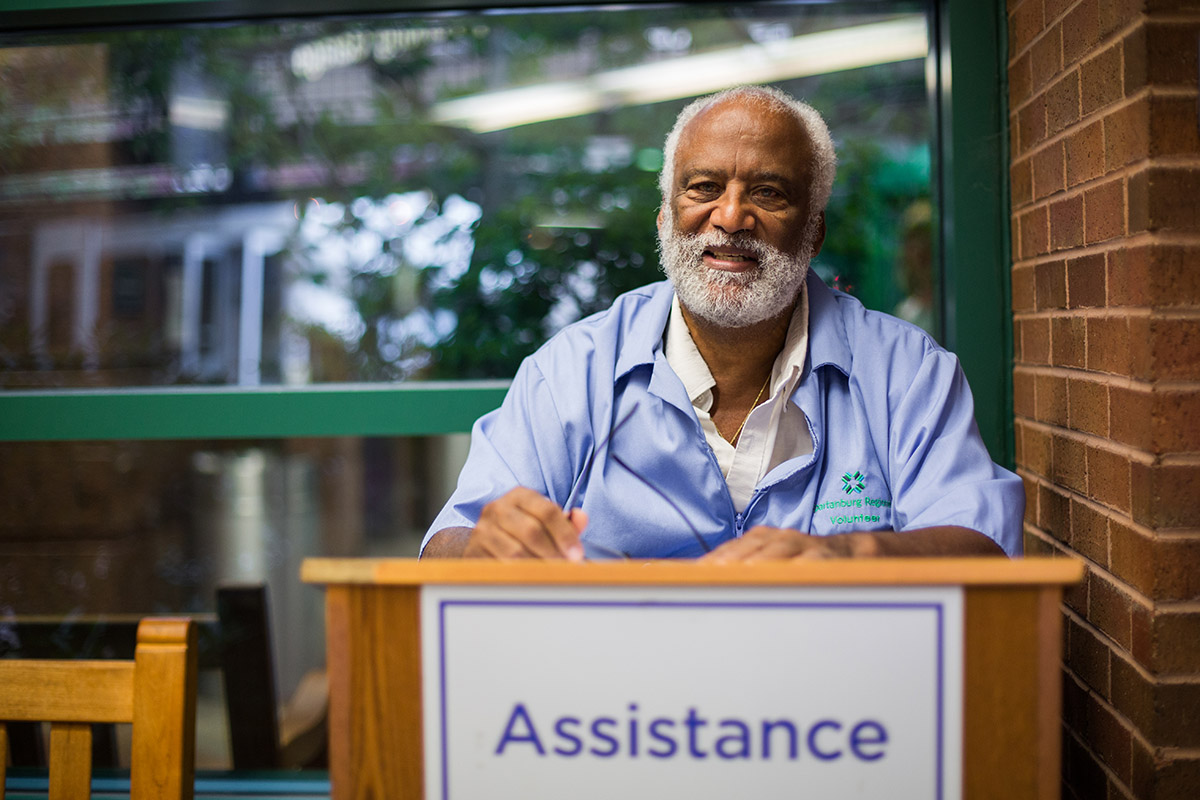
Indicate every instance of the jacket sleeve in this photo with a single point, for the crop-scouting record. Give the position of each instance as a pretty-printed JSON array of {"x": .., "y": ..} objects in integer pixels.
[{"x": 941, "y": 471}]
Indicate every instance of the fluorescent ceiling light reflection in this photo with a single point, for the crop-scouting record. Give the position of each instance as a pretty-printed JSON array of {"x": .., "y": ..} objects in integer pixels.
[{"x": 900, "y": 39}]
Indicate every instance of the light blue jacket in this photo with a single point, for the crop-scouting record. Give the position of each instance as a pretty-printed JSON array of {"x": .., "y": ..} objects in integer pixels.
[{"x": 895, "y": 445}]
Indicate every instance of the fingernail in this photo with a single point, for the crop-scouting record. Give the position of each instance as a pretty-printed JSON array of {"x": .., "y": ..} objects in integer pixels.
[{"x": 575, "y": 553}]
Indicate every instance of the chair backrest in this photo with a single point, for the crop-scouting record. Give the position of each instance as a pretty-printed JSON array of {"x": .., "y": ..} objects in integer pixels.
[{"x": 156, "y": 692}]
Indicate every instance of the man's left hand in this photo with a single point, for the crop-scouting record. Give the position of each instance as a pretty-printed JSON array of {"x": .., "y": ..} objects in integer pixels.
[{"x": 771, "y": 544}]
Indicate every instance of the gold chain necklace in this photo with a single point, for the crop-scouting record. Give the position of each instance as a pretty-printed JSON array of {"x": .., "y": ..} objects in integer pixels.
[{"x": 753, "y": 406}]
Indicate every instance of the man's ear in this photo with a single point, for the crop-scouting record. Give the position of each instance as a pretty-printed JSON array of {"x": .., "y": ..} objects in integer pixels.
[
  {"x": 658, "y": 221},
  {"x": 819, "y": 238}
]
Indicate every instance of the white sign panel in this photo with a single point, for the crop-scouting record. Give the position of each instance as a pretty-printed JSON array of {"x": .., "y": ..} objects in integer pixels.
[{"x": 578, "y": 692}]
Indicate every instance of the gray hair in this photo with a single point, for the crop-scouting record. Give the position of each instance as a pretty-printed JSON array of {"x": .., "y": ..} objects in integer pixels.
[{"x": 824, "y": 159}]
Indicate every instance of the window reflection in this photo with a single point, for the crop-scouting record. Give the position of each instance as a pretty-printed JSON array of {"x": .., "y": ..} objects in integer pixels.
[
  {"x": 397, "y": 198},
  {"x": 101, "y": 531}
]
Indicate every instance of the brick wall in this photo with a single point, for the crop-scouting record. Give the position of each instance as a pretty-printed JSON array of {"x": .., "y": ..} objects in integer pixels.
[{"x": 1105, "y": 177}]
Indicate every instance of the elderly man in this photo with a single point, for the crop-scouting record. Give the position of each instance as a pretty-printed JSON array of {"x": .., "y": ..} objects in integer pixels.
[{"x": 741, "y": 410}]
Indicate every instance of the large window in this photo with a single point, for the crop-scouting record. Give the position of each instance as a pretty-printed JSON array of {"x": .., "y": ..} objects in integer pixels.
[
  {"x": 407, "y": 197},
  {"x": 257, "y": 277}
]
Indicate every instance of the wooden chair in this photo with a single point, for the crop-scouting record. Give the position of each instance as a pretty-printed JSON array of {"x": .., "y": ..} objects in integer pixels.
[{"x": 156, "y": 691}]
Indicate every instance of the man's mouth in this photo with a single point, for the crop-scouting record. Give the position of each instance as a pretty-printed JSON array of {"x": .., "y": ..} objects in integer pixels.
[{"x": 732, "y": 259}]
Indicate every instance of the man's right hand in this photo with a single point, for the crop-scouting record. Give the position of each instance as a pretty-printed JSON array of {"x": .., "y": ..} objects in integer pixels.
[{"x": 519, "y": 524}]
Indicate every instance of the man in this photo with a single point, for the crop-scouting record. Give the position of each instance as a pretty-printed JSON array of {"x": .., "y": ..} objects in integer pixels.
[{"x": 742, "y": 410}]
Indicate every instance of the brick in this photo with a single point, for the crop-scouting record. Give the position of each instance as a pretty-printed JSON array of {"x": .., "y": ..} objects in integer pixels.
[
  {"x": 1130, "y": 417},
  {"x": 1175, "y": 642},
  {"x": 1142, "y": 633},
  {"x": 1076, "y": 598},
  {"x": 1069, "y": 468},
  {"x": 1175, "y": 348},
  {"x": 1165, "y": 713},
  {"x": 1171, "y": 275},
  {"x": 1020, "y": 177},
  {"x": 1108, "y": 344},
  {"x": 1049, "y": 170},
  {"x": 1038, "y": 449},
  {"x": 1110, "y": 609},
  {"x": 1023, "y": 393},
  {"x": 1084, "y": 776},
  {"x": 1171, "y": 198},
  {"x": 1088, "y": 657},
  {"x": 1171, "y": 53},
  {"x": 1164, "y": 496},
  {"x": 1068, "y": 341},
  {"x": 1145, "y": 766},
  {"x": 1108, "y": 478},
  {"x": 1089, "y": 533},
  {"x": 1080, "y": 31},
  {"x": 1062, "y": 103},
  {"x": 1035, "y": 341},
  {"x": 1024, "y": 289},
  {"x": 1104, "y": 212},
  {"x": 1020, "y": 81},
  {"x": 1016, "y": 150},
  {"x": 1175, "y": 422},
  {"x": 1132, "y": 557},
  {"x": 1178, "y": 707},
  {"x": 1173, "y": 128},
  {"x": 1088, "y": 405},
  {"x": 1054, "y": 513},
  {"x": 1056, "y": 8},
  {"x": 1066, "y": 223},
  {"x": 1141, "y": 350},
  {"x": 1086, "y": 286},
  {"x": 1075, "y": 694},
  {"x": 1126, "y": 275},
  {"x": 1035, "y": 546},
  {"x": 1178, "y": 570},
  {"x": 1116, "y": 14},
  {"x": 1014, "y": 232},
  {"x": 1138, "y": 201},
  {"x": 1127, "y": 135},
  {"x": 1085, "y": 154},
  {"x": 1100, "y": 79},
  {"x": 1035, "y": 232},
  {"x": 1110, "y": 739},
  {"x": 1133, "y": 696},
  {"x": 1176, "y": 778},
  {"x": 1046, "y": 57},
  {"x": 1051, "y": 399},
  {"x": 1050, "y": 281},
  {"x": 1024, "y": 23},
  {"x": 1031, "y": 123},
  {"x": 1133, "y": 58}
]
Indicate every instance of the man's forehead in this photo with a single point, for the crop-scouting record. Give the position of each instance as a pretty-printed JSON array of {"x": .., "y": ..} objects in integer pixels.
[
  {"x": 745, "y": 114},
  {"x": 740, "y": 118}
]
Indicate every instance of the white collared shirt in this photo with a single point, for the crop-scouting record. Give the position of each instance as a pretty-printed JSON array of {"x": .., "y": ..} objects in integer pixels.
[{"x": 775, "y": 431}]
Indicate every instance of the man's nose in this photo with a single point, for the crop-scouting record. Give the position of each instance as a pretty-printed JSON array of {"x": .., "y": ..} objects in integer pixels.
[{"x": 733, "y": 212}]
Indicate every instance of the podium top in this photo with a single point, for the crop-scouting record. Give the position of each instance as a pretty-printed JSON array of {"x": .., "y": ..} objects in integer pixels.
[{"x": 985, "y": 571}]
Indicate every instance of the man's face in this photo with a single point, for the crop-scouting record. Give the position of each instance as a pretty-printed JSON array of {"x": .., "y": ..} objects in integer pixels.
[{"x": 735, "y": 234}]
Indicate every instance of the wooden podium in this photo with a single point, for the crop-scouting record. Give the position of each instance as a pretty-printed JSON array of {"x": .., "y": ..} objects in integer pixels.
[{"x": 1010, "y": 645}]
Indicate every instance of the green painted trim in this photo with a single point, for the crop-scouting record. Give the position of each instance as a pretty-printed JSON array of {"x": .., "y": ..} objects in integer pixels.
[
  {"x": 418, "y": 409},
  {"x": 974, "y": 191}
]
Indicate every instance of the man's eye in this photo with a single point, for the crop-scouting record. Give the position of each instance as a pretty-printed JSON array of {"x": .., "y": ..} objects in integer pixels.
[{"x": 704, "y": 188}]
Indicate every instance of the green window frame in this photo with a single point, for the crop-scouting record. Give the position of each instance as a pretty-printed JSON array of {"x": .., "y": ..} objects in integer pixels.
[{"x": 969, "y": 75}]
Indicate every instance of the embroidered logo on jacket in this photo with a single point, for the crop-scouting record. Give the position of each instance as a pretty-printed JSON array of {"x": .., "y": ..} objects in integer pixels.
[{"x": 853, "y": 483}]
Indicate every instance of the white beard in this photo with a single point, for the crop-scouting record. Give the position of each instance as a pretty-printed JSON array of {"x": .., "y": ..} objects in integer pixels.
[{"x": 732, "y": 299}]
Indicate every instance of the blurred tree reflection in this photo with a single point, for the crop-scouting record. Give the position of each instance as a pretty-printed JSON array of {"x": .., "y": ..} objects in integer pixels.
[{"x": 517, "y": 232}]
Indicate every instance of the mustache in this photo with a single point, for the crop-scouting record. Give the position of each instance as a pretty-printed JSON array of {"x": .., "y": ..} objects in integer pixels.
[{"x": 694, "y": 244}]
